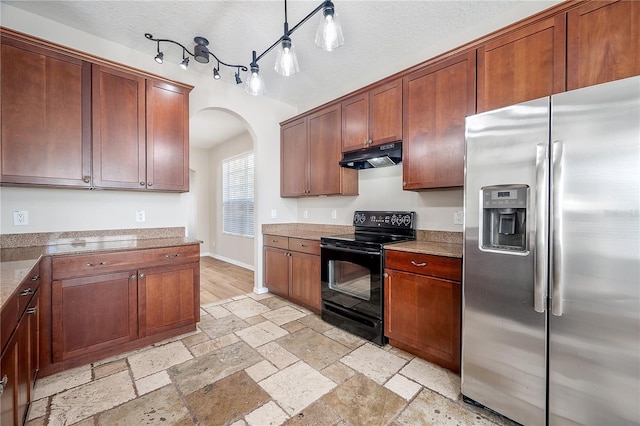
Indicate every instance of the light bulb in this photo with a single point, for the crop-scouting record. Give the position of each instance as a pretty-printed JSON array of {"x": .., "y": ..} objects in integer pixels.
[
  {"x": 286, "y": 61},
  {"x": 329, "y": 34},
  {"x": 254, "y": 85}
]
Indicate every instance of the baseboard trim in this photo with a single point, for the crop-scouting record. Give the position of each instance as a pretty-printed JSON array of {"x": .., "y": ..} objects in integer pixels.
[{"x": 226, "y": 259}]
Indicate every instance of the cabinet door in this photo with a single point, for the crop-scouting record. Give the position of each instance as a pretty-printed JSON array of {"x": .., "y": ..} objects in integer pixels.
[
  {"x": 304, "y": 285},
  {"x": 167, "y": 137},
  {"x": 294, "y": 159},
  {"x": 276, "y": 271},
  {"x": 436, "y": 101},
  {"x": 93, "y": 313},
  {"x": 8, "y": 375},
  {"x": 525, "y": 65},
  {"x": 168, "y": 297},
  {"x": 118, "y": 129},
  {"x": 424, "y": 313},
  {"x": 46, "y": 110},
  {"x": 603, "y": 41},
  {"x": 355, "y": 122},
  {"x": 326, "y": 177},
  {"x": 385, "y": 113}
]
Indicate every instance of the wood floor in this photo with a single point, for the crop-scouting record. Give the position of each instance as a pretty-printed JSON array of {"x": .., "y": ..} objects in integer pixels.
[{"x": 221, "y": 280}]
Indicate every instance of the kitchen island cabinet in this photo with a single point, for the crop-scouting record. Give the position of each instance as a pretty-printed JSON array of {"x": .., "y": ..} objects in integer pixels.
[
  {"x": 310, "y": 151},
  {"x": 292, "y": 269},
  {"x": 20, "y": 350},
  {"x": 373, "y": 117},
  {"x": 423, "y": 306}
]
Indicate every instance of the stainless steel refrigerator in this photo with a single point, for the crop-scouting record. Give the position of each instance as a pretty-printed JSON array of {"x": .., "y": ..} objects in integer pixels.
[{"x": 551, "y": 279}]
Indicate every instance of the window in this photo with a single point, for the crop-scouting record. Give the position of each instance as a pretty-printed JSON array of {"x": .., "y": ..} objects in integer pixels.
[{"x": 237, "y": 195}]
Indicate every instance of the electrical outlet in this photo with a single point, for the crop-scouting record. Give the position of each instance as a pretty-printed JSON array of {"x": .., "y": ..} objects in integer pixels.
[
  {"x": 334, "y": 214},
  {"x": 305, "y": 214},
  {"x": 458, "y": 217},
  {"x": 140, "y": 216},
  {"x": 20, "y": 217}
]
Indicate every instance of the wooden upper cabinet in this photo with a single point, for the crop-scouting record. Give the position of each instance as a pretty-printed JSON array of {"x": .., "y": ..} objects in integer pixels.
[
  {"x": 372, "y": 118},
  {"x": 437, "y": 99},
  {"x": 167, "y": 137},
  {"x": 46, "y": 105},
  {"x": 310, "y": 153},
  {"x": 526, "y": 64},
  {"x": 118, "y": 129},
  {"x": 603, "y": 42},
  {"x": 294, "y": 159}
]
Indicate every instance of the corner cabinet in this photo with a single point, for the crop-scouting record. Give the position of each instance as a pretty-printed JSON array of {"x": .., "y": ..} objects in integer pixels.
[
  {"x": 423, "y": 306},
  {"x": 70, "y": 120},
  {"x": 373, "y": 117},
  {"x": 310, "y": 150},
  {"x": 437, "y": 99},
  {"x": 292, "y": 269},
  {"x": 46, "y": 116},
  {"x": 106, "y": 303}
]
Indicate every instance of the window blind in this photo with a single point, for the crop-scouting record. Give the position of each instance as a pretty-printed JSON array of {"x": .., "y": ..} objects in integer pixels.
[{"x": 237, "y": 195}]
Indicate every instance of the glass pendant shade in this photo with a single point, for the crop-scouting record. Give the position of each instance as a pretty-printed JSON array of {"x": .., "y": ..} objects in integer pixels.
[
  {"x": 286, "y": 61},
  {"x": 254, "y": 85},
  {"x": 329, "y": 34}
]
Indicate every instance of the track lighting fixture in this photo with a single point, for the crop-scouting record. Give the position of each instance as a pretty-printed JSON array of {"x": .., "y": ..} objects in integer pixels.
[
  {"x": 200, "y": 53},
  {"x": 328, "y": 36}
]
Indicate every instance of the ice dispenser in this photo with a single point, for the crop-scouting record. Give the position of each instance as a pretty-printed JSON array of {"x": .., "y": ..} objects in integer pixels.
[{"x": 503, "y": 225}]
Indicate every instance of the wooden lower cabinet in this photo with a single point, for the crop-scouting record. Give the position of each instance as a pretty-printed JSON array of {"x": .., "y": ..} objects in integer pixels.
[
  {"x": 167, "y": 297},
  {"x": 93, "y": 313},
  {"x": 422, "y": 311},
  {"x": 293, "y": 272}
]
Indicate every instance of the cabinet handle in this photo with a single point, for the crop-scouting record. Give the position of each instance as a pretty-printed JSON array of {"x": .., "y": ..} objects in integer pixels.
[
  {"x": 386, "y": 275},
  {"x": 150, "y": 184},
  {"x": 274, "y": 241},
  {"x": 141, "y": 276},
  {"x": 420, "y": 265},
  {"x": 26, "y": 292},
  {"x": 86, "y": 179},
  {"x": 133, "y": 277},
  {"x": 404, "y": 183},
  {"x": 97, "y": 264},
  {"x": 303, "y": 245},
  {"x": 143, "y": 183},
  {"x": 35, "y": 278},
  {"x": 169, "y": 256},
  {"x": 32, "y": 311},
  {"x": 3, "y": 383}
]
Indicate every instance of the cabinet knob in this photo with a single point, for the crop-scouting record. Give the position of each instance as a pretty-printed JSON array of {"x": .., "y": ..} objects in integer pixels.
[
  {"x": 141, "y": 276},
  {"x": 143, "y": 183},
  {"x": 386, "y": 275},
  {"x": 35, "y": 278},
  {"x": 150, "y": 184},
  {"x": 404, "y": 183},
  {"x": 32, "y": 311},
  {"x": 86, "y": 179},
  {"x": 3, "y": 383},
  {"x": 26, "y": 292},
  {"x": 420, "y": 265},
  {"x": 132, "y": 277}
]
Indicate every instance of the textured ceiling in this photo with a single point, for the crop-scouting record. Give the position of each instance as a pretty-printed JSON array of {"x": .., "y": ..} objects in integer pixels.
[{"x": 381, "y": 37}]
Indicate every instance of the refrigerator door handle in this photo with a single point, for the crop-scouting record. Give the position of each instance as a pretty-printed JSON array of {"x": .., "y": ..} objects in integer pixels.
[
  {"x": 541, "y": 232},
  {"x": 555, "y": 280}
]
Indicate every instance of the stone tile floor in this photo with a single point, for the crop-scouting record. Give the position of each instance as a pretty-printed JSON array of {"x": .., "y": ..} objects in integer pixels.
[{"x": 257, "y": 360}]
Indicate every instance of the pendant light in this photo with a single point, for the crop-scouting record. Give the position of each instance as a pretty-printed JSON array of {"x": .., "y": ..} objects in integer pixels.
[
  {"x": 254, "y": 85},
  {"x": 286, "y": 61},
  {"x": 329, "y": 34}
]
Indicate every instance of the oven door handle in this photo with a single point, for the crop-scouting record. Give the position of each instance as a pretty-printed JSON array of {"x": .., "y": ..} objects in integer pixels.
[{"x": 349, "y": 250}]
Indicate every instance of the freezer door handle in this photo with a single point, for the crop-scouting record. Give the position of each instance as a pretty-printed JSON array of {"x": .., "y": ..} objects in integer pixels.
[
  {"x": 541, "y": 253},
  {"x": 555, "y": 280}
]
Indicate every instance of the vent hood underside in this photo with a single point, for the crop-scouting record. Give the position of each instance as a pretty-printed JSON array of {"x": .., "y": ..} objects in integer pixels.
[{"x": 377, "y": 156}]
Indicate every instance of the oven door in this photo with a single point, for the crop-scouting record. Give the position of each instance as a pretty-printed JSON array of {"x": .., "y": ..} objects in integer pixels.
[{"x": 352, "y": 279}]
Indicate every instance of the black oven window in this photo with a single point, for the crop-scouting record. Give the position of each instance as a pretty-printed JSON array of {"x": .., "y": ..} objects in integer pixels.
[{"x": 350, "y": 278}]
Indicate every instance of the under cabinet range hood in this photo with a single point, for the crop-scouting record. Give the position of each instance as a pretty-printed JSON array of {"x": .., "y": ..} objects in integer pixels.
[{"x": 375, "y": 156}]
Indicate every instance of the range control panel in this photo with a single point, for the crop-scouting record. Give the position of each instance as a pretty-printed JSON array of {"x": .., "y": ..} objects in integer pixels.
[{"x": 386, "y": 219}]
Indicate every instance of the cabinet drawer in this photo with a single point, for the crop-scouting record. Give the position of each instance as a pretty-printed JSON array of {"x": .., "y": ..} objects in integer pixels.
[
  {"x": 305, "y": 246},
  {"x": 15, "y": 306},
  {"x": 92, "y": 264},
  {"x": 436, "y": 266},
  {"x": 276, "y": 241}
]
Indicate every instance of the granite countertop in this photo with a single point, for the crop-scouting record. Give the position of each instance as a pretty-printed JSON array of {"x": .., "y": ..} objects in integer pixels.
[
  {"x": 16, "y": 261},
  {"x": 436, "y": 243}
]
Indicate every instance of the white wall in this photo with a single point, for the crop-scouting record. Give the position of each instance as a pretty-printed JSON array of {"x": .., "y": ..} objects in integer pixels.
[
  {"x": 199, "y": 188},
  {"x": 231, "y": 248},
  {"x": 381, "y": 189}
]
